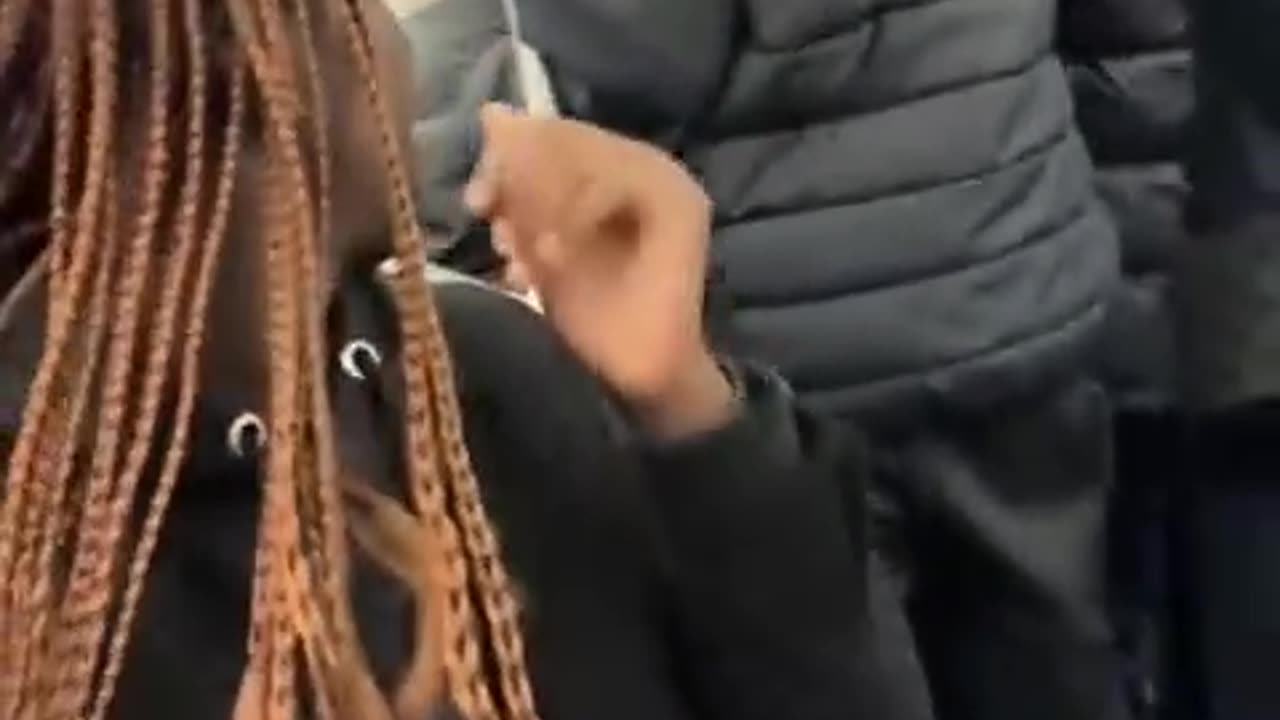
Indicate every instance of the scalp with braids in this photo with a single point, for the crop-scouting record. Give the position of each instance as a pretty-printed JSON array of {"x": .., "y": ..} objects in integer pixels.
[{"x": 77, "y": 525}]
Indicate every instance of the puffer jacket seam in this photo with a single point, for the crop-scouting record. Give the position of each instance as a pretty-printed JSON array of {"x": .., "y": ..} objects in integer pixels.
[
  {"x": 1043, "y": 331},
  {"x": 873, "y": 14},
  {"x": 1171, "y": 51},
  {"x": 1032, "y": 151},
  {"x": 845, "y": 114},
  {"x": 1047, "y": 233},
  {"x": 1121, "y": 166}
]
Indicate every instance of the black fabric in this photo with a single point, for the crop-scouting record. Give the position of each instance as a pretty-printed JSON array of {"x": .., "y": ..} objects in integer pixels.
[
  {"x": 1229, "y": 279},
  {"x": 1228, "y": 291},
  {"x": 1142, "y": 536},
  {"x": 1235, "y": 41},
  {"x": 1230, "y": 509},
  {"x": 1130, "y": 65},
  {"x": 1229, "y": 308},
  {"x": 637, "y": 565},
  {"x": 1228, "y": 300},
  {"x": 1235, "y": 155},
  {"x": 1003, "y": 537},
  {"x": 1198, "y": 521},
  {"x": 870, "y": 162}
]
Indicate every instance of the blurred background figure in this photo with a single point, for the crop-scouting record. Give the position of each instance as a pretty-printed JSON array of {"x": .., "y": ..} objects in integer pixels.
[
  {"x": 907, "y": 226},
  {"x": 1228, "y": 290},
  {"x": 1129, "y": 62}
]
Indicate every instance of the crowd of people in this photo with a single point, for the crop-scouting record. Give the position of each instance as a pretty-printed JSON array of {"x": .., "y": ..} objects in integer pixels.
[
  {"x": 1021, "y": 246},
  {"x": 807, "y": 360}
]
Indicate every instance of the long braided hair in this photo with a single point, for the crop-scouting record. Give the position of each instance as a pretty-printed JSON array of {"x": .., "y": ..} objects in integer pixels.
[{"x": 127, "y": 227}]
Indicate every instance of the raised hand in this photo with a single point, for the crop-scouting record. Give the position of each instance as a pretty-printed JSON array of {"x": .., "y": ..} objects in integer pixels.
[{"x": 612, "y": 235}]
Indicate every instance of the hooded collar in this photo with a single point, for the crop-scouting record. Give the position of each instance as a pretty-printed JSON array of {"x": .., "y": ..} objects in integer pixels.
[{"x": 364, "y": 333}]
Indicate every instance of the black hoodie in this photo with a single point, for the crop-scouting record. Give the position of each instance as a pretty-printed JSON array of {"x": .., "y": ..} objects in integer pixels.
[{"x": 713, "y": 579}]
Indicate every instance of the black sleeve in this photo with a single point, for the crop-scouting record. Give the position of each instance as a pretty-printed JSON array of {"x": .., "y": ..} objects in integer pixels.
[
  {"x": 770, "y": 563},
  {"x": 574, "y": 515}
]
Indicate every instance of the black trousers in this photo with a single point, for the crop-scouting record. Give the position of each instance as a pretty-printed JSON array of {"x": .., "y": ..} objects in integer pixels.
[
  {"x": 1147, "y": 568},
  {"x": 1196, "y": 562},
  {"x": 997, "y": 518},
  {"x": 1227, "y": 566}
]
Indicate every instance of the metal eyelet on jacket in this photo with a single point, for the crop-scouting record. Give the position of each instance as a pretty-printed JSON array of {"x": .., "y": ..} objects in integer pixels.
[
  {"x": 360, "y": 359},
  {"x": 246, "y": 435}
]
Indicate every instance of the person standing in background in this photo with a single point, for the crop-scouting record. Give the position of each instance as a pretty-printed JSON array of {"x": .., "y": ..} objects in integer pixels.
[
  {"x": 907, "y": 228},
  {"x": 1130, "y": 67},
  {"x": 1228, "y": 300}
]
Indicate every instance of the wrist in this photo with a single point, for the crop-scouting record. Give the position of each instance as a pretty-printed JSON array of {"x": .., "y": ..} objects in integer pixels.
[{"x": 700, "y": 398}]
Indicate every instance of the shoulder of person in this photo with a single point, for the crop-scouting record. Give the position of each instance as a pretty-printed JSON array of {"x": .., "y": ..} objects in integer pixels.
[
  {"x": 500, "y": 344},
  {"x": 517, "y": 377},
  {"x": 558, "y": 476}
]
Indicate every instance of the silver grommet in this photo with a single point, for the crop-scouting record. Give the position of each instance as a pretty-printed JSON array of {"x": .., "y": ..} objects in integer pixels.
[
  {"x": 358, "y": 355},
  {"x": 246, "y": 435}
]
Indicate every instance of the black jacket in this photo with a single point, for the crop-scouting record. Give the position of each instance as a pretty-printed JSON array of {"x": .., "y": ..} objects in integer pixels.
[
  {"x": 715, "y": 579},
  {"x": 1130, "y": 65},
  {"x": 905, "y": 210}
]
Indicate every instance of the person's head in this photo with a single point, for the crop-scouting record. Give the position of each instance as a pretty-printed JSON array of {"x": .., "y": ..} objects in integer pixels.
[{"x": 171, "y": 162}]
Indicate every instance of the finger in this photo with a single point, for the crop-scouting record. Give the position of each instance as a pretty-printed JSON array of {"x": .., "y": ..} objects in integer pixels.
[
  {"x": 481, "y": 193},
  {"x": 516, "y": 278},
  {"x": 499, "y": 122},
  {"x": 542, "y": 262},
  {"x": 515, "y": 275},
  {"x": 531, "y": 168},
  {"x": 501, "y": 130},
  {"x": 502, "y": 237},
  {"x": 507, "y": 136},
  {"x": 549, "y": 255},
  {"x": 587, "y": 224},
  {"x": 599, "y": 205}
]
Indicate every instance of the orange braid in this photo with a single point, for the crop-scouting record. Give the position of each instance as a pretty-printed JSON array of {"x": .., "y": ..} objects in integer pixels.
[{"x": 73, "y": 558}]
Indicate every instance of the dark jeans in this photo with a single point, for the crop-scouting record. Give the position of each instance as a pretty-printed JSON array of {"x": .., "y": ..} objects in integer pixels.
[
  {"x": 903, "y": 689},
  {"x": 1143, "y": 538},
  {"x": 1003, "y": 536},
  {"x": 1230, "y": 565},
  {"x": 1196, "y": 563}
]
